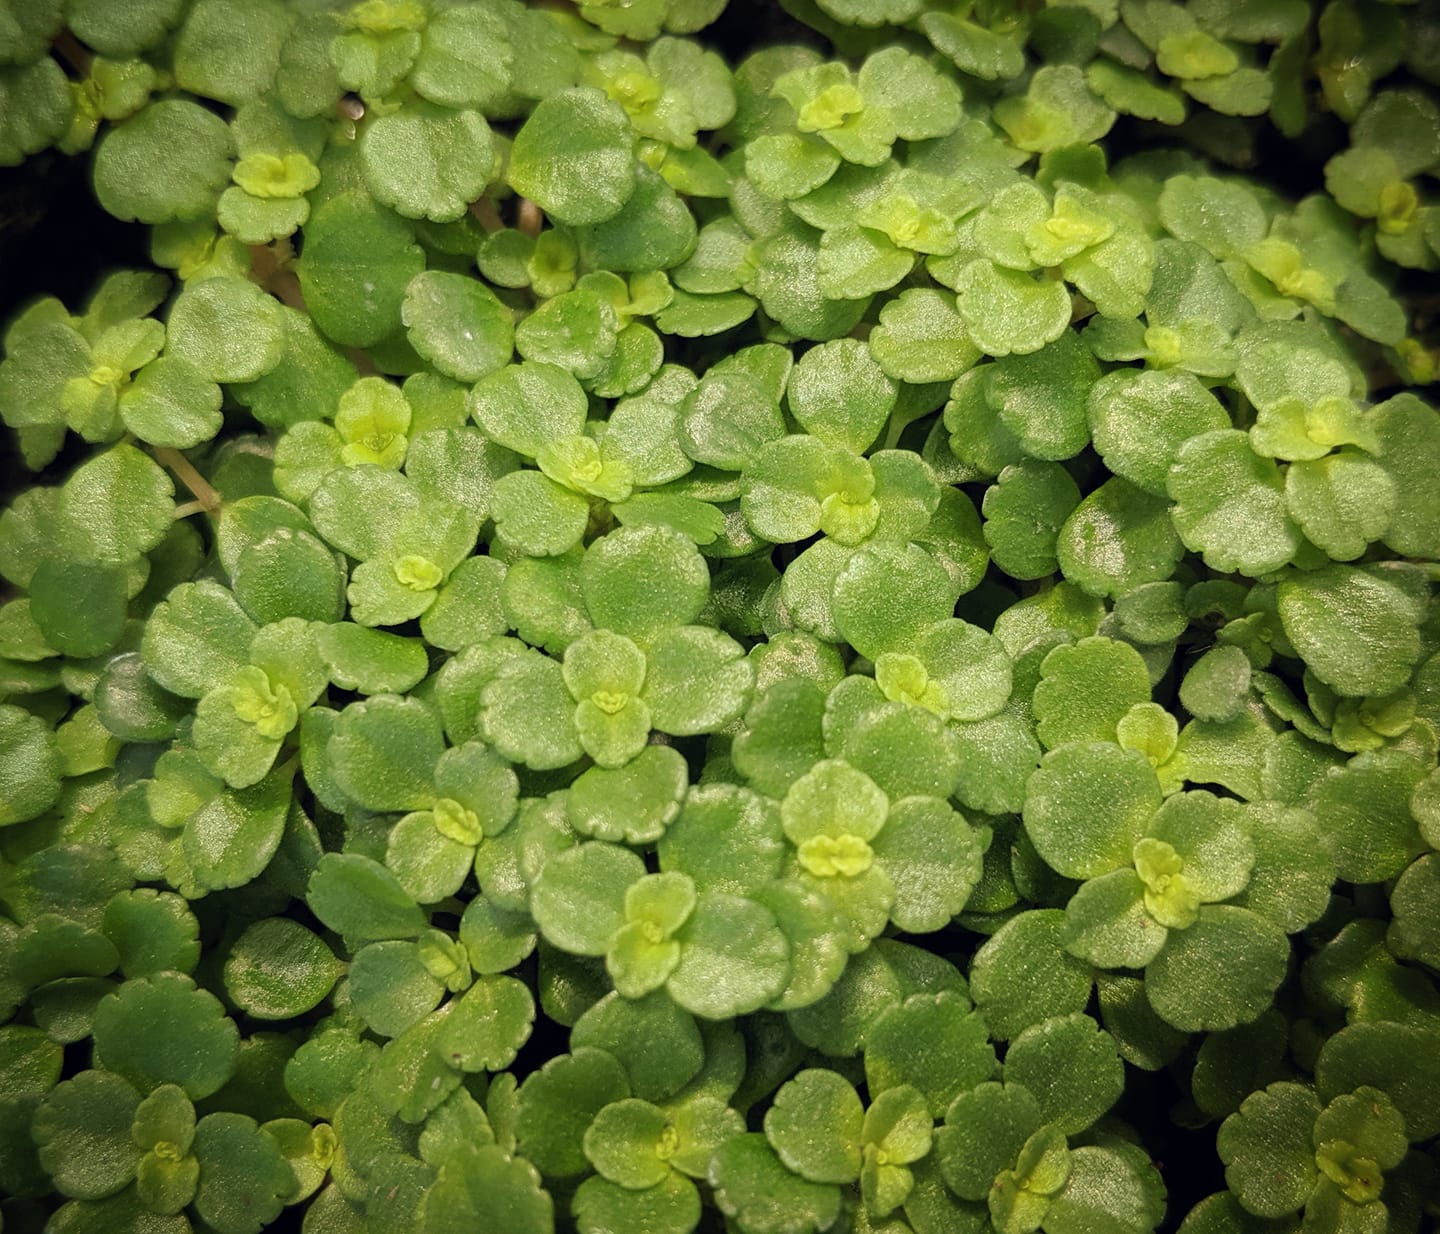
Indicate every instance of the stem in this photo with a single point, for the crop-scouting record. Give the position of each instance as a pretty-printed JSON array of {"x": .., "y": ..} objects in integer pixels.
[
  {"x": 364, "y": 365},
  {"x": 207, "y": 497},
  {"x": 273, "y": 268},
  {"x": 71, "y": 50},
  {"x": 530, "y": 219},
  {"x": 486, "y": 215},
  {"x": 186, "y": 510}
]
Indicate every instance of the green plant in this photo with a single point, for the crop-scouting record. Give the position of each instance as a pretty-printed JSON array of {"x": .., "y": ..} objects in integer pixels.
[{"x": 784, "y": 619}]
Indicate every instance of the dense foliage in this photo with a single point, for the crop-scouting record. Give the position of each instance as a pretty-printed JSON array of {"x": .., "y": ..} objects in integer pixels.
[{"x": 810, "y": 618}]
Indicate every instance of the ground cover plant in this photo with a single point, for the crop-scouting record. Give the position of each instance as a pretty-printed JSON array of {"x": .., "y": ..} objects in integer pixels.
[{"x": 654, "y": 617}]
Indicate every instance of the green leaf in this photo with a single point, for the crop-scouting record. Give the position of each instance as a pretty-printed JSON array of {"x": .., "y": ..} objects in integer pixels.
[
  {"x": 814, "y": 1127},
  {"x": 1267, "y": 1150},
  {"x": 733, "y": 959},
  {"x": 356, "y": 896},
  {"x": 1024, "y": 512},
  {"x": 698, "y": 680},
  {"x": 525, "y": 406},
  {"x": 494, "y": 938},
  {"x": 633, "y": 804},
  {"x": 114, "y": 507},
  {"x": 244, "y": 1177},
  {"x": 278, "y": 969},
  {"x": 1405, "y": 429},
  {"x": 30, "y": 782},
  {"x": 259, "y": 220},
  {"x": 1217, "y": 686},
  {"x": 1086, "y": 688},
  {"x": 653, "y": 230},
  {"x": 359, "y": 259},
  {"x": 153, "y": 931},
  {"x": 164, "y": 1030},
  {"x": 1220, "y": 972},
  {"x": 195, "y": 637},
  {"x": 1008, "y": 311},
  {"x": 983, "y": 1134},
  {"x": 204, "y": 59},
  {"x": 574, "y": 157},
  {"x": 1117, "y": 539},
  {"x": 1223, "y": 217},
  {"x": 169, "y": 161},
  {"x": 538, "y": 516},
  {"x": 227, "y": 329},
  {"x": 1393, "y": 1058},
  {"x": 885, "y": 596},
  {"x": 1071, "y": 1068},
  {"x": 480, "y": 1188},
  {"x": 754, "y": 1188},
  {"x": 45, "y": 351},
  {"x": 488, "y": 1024},
  {"x": 1108, "y": 925},
  {"x": 559, "y": 1101},
  {"x": 727, "y": 419},
  {"x": 669, "y": 1207},
  {"x": 82, "y": 1130},
  {"x": 856, "y": 262},
  {"x": 933, "y": 857},
  {"x": 921, "y": 337},
  {"x": 639, "y": 581},
  {"x": 840, "y": 394},
  {"x": 371, "y": 661},
  {"x": 391, "y": 988},
  {"x": 289, "y": 573},
  {"x": 528, "y": 713},
  {"x": 427, "y": 162},
  {"x": 311, "y": 373},
  {"x": 622, "y": 1144},
  {"x": 383, "y": 751},
  {"x": 1230, "y": 505},
  {"x": 28, "y": 30},
  {"x": 1087, "y": 805},
  {"x": 657, "y": 1043},
  {"x": 113, "y": 33},
  {"x": 578, "y": 901},
  {"x": 932, "y": 1041},
  {"x": 577, "y": 331},
  {"x": 725, "y": 838},
  {"x": 457, "y": 324},
  {"x": 789, "y": 165},
  {"x": 1041, "y": 397},
  {"x": 1355, "y": 628},
  {"x": 171, "y": 403},
  {"x": 1131, "y": 92},
  {"x": 1364, "y": 816},
  {"x": 1022, "y": 974},
  {"x": 39, "y": 107},
  {"x": 1114, "y": 1183},
  {"x": 1140, "y": 420},
  {"x": 465, "y": 58}
]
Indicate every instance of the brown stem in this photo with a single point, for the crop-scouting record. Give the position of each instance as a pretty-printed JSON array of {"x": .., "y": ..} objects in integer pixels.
[
  {"x": 530, "y": 219},
  {"x": 271, "y": 265},
  {"x": 200, "y": 488},
  {"x": 71, "y": 50},
  {"x": 364, "y": 365},
  {"x": 486, "y": 215}
]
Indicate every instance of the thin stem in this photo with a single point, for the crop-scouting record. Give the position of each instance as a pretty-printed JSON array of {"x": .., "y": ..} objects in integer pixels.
[
  {"x": 273, "y": 268},
  {"x": 207, "y": 496},
  {"x": 71, "y": 50},
  {"x": 530, "y": 218},
  {"x": 486, "y": 215},
  {"x": 186, "y": 510}
]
